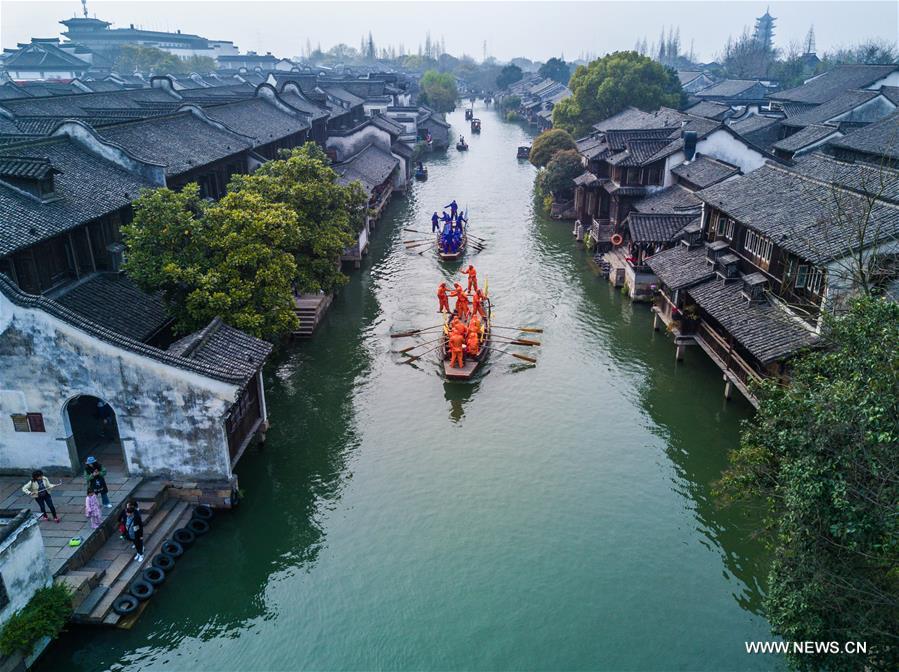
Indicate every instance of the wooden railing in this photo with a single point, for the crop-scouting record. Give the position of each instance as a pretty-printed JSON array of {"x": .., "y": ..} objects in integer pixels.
[{"x": 732, "y": 362}]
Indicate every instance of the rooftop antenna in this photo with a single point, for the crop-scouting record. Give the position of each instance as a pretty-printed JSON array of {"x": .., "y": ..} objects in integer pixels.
[{"x": 84, "y": 7}]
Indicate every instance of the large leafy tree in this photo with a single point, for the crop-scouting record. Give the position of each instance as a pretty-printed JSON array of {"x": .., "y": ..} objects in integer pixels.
[
  {"x": 328, "y": 215},
  {"x": 821, "y": 453},
  {"x": 610, "y": 84},
  {"x": 556, "y": 69},
  {"x": 547, "y": 144},
  {"x": 227, "y": 259},
  {"x": 438, "y": 90},
  {"x": 560, "y": 171},
  {"x": 508, "y": 75},
  {"x": 130, "y": 58}
]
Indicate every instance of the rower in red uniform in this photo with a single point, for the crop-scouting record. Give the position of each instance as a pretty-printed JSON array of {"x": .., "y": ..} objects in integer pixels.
[
  {"x": 462, "y": 308},
  {"x": 472, "y": 277},
  {"x": 441, "y": 297},
  {"x": 477, "y": 303},
  {"x": 474, "y": 324},
  {"x": 456, "y": 341},
  {"x": 473, "y": 343}
]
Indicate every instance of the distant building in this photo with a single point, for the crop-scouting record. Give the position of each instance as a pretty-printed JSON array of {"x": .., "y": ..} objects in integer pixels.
[{"x": 101, "y": 37}]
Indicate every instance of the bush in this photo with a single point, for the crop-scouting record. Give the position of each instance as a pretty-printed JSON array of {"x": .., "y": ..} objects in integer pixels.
[
  {"x": 512, "y": 115},
  {"x": 564, "y": 167},
  {"x": 45, "y": 615},
  {"x": 547, "y": 144}
]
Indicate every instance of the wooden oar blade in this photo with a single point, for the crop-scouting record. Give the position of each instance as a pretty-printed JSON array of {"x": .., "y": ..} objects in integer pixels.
[{"x": 530, "y": 360}]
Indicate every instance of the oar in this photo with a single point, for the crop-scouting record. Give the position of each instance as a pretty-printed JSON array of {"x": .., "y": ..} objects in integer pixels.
[
  {"x": 412, "y": 359},
  {"x": 530, "y": 330},
  {"x": 404, "y": 334},
  {"x": 516, "y": 341},
  {"x": 413, "y": 347},
  {"x": 418, "y": 240},
  {"x": 416, "y": 231},
  {"x": 412, "y": 246},
  {"x": 529, "y": 360},
  {"x": 476, "y": 237}
]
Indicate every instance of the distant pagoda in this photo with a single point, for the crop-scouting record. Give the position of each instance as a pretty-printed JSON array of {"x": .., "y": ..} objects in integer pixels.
[{"x": 764, "y": 31}]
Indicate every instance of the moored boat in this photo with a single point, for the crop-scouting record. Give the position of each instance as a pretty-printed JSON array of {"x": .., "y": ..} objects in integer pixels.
[
  {"x": 470, "y": 364},
  {"x": 524, "y": 152}
]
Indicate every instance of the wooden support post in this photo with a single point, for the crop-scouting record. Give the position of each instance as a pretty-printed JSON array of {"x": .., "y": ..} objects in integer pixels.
[
  {"x": 655, "y": 321},
  {"x": 679, "y": 352},
  {"x": 727, "y": 389}
]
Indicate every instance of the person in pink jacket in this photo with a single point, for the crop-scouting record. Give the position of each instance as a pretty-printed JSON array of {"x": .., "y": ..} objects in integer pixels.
[{"x": 92, "y": 507}]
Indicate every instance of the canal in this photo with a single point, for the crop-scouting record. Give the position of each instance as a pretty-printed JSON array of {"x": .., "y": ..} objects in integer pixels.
[{"x": 549, "y": 517}]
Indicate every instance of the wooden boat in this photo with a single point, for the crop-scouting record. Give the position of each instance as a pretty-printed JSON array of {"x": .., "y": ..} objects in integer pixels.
[
  {"x": 524, "y": 152},
  {"x": 453, "y": 256},
  {"x": 471, "y": 365},
  {"x": 475, "y": 125},
  {"x": 469, "y": 114},
  {"x": 462, "y": 146},
  {"x": 421, "y": 174}
]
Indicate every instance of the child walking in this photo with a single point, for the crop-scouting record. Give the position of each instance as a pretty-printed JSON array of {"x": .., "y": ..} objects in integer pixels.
[{"x": 92, "y": 507}]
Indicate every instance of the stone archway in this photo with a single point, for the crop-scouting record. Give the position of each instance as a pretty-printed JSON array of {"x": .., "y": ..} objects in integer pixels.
[{"x": 92, "y": 431}]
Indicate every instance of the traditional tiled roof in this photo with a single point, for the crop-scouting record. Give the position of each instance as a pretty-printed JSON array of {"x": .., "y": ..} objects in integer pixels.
[
  {"x": 859, "y": 176},
  {"x": 593, "y": 147},
  {"x": 9, "y": 91},
  {"x": 797, "y": 212},
  {"x": 809, "y": 135},
  {"x": 843, "y": 103},
  {"x": 657, "y": 228},
  {"x": 343, "y": 95},
  {"x": 833, "y": 83},
  {"x": 640, "y": 152},
  {"x": 734, "y": 88},
  {"x": 25, "y": 166},
  {"x": 673, "y": 199},
  {"x": 181, "y": 142},
  {"x": 760, "y": 130},
  {"x": 704, "y": 171},
  {"x": 586, "y": 179},
  {"x": 223, "y": 368},
  {"x": 880, "y": 139},
  {"x": 766, "y": 330},
  {"x": 114, "y": 302},
  {"x": 302, "y": 105},
  {"x": 371, "y": 166},
  {"x": 222, "y": 346},
  {"x": 681, "y": 266},
  {"x": 687, "y": 76},
  {"x": 257, "y": 119},
  {"x": 81, "y": 104},
  {"x": 710, "y": 110},
  {"x": 86, "y": 188}
]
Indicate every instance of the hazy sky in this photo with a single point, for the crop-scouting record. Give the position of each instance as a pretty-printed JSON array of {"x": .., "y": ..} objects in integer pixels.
[{"x": 536, "y": 30}]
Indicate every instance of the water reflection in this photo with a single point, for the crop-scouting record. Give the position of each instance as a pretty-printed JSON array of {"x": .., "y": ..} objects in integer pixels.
[{"x": 458, "y": 394}]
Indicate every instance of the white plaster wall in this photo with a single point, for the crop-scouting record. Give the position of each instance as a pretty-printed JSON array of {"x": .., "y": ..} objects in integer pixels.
[
  {"x": 724, "y": 146},
  {"x": 891, "y": 79},
  {"x": 874, "y": 110},
  {"x": 23, "y": 565},
  {"x": 170, "y": 420}
]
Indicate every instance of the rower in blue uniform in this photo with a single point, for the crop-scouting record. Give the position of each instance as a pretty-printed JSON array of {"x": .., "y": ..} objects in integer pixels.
[
  {"x": 453, "y": 208},
  {"x": 435, "y": 223}
]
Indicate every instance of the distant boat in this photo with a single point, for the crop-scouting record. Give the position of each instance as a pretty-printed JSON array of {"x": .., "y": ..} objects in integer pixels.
[
  {"x": 421, "y": 173},
  {"x": 462, "y": 146},
  {"x": 524, "y": 152},
  {"x": 475, "y": 125},
  {"x": 471, "y": 364},
  {"x": 469, "y": 114}
]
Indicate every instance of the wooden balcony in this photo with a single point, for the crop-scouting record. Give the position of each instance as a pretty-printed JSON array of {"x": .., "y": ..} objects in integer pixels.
[{"x": 736, "y": 371}]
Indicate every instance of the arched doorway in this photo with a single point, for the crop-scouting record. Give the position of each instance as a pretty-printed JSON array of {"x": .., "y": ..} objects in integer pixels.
[{"x": 93, "y": 431}]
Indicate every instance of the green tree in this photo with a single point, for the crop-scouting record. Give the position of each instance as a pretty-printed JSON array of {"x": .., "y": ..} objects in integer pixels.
[
  {"x": 821, "y": 455},
  {"x": 560, "y": 171},
  {"x": 226, "y": 259},
  {"x": 510, "y": 103},
  {"x": 508, "y": 76},
  {"x": 556, "y": 69},
  {"x": 328, "y": 215},
  {"x": 438, "y": 90},
  {"x": 608, "y": 85},
  {"x": 134, "y": 58},
  {"x": 547, "y": 144}
]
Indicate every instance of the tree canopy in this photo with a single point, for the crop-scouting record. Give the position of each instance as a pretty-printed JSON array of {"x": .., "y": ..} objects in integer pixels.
[
  {"x": 438, "y": 90},
  {"x": 556, "y": 69},
  {"x": 226, "y": 259},
  {"x": 821, "y": 453},
  {"x": 328, "y": 215},
  {"x": 547, "y": 144},
  {"x": 560, "y": 171},
  {"x": 508, "y": 75},
  {"x": 130, "y": 58},
  {"x": 610, "y": 84}
]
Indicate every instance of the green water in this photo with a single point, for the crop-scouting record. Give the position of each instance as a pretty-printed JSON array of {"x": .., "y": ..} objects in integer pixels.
[{"x": 555, "y": 517}]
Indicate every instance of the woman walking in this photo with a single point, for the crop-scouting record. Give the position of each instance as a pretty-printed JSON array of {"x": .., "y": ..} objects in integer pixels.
[
  {"x": 39, "y": 488},
  {"x": 134, "y": 528}
]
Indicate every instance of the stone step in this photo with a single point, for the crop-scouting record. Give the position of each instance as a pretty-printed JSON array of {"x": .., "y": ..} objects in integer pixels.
[
  {"x": 155, "y": 532},
  {"x": 90, "y": 602}
]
